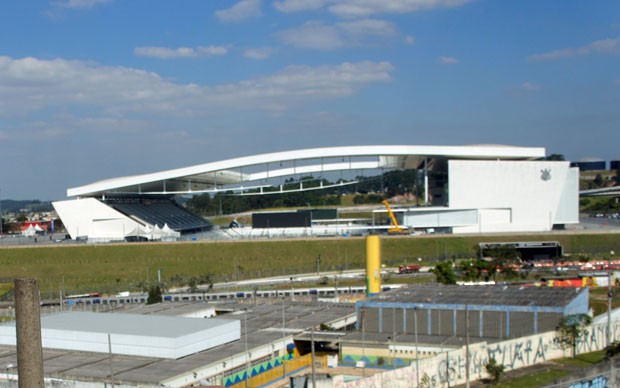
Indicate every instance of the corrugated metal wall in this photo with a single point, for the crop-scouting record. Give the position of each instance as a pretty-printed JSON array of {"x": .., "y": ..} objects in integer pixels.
[{"x": 448, "y": 322}]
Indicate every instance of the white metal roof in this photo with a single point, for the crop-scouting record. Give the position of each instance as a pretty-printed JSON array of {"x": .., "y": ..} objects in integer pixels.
[
  {"x": 130, "y": 334},
  {"x": 207, "y": 176}
]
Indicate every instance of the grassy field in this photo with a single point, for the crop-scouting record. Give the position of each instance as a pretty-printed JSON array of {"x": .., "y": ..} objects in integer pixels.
[
  {"x": 113, "y": 268},
  {"x": 536, "y": 379},
  {"x": 549, "y": 374}
]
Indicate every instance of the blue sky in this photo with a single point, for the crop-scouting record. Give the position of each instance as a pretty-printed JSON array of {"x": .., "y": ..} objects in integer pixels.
[{"x": 94, "y": 89}]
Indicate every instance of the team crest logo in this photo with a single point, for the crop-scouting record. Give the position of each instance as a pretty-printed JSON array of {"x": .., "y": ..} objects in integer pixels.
[{"x": 545, "y": 174}]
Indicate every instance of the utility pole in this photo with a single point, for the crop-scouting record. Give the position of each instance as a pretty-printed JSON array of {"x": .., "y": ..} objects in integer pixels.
[
  {"x": 467, "y": 346},
  {"x": 363, "y": 341},
  {"x": 1, "y": 219},
  {"x": 417, "y": 355},
  {"x": 312, "y": 351},
  {"x": 609, "y": 296},
  {"x": 392, "y": 356},
  {"x": 283, "y": 341},
  {"x": 247, "y": 355},
  {"x": 110, "y": 359}
]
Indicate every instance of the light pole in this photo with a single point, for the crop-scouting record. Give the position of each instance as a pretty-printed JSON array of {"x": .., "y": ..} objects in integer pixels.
[
  {"x": 8, "y": 380},
  {"x": 609, "y": 296},
  {"x": 1, "y": 219},
  {"x": 245, "y": 340},
  {"x": 312, "y": 357},
  {"x": 110, "y": 360},
  {"x": 318, "y": 265},
  {"x": 392, "y": 356},
  {"x": 417, "y": 355},
  {"x": 283, "y": 340},
  {"x": 363, "y": 341},
  {"x": 467, "y": 346}
]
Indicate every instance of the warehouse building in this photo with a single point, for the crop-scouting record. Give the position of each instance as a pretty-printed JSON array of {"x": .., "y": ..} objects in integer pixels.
[
  {"x": 495, "y": 312},
  {"x": 397, "y": 327},
  {"x": 159, "y": 345},
  {"x": 590, "y": 164}
]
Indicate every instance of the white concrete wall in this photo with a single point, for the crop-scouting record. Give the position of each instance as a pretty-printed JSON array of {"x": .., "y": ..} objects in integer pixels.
[
  {"x": 89, "y": 217},
  {"x": 439, "y": 217},
  {"x": 518, "y": 353},
  {"x": 515, "y": 196}
]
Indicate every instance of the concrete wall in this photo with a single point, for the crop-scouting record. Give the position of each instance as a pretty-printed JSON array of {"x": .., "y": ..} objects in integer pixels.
[
  {"x": 515, "y": 196},
  {"x": 450, "y": 367},
  {"x": 89, "y": 217}
]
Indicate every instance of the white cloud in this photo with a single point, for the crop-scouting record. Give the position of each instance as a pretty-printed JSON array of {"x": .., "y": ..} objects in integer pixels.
[
  {"x": 313, "y": 34},
  {"x": 258, "y": 53},
  {"x": 603, "y": 46},
  {"x": 530, "y": 87},
  {"x": 244, "y": 9},
  {"x": 409, "y": 40},
  {"x": 301, "y": 83},
  {"x": 365, "y": 8},
  {"x": 179, "y": 52},
  {"x": 32, "y": 86},
  {"x": 298, "y": 5},
  {"x": 74, "y": 4},
  {"x": 448, "y": 60},
  {"x": 368, "y": 27},
  {"x": 318, "y": 35}
]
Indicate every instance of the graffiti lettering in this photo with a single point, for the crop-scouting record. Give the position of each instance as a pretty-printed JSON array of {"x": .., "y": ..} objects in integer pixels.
[
  {"x": 449, "y": 368},
  {"x": 598, "y": 382},
  {"x": 540, "y": 351}
]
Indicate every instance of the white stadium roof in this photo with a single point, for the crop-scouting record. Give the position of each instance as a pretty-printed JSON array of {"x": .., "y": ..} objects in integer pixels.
[{"x": 248, "y": 172}]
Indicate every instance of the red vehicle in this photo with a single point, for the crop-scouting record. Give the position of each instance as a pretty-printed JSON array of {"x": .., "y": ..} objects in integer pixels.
[{"x": 410, "y": 268}]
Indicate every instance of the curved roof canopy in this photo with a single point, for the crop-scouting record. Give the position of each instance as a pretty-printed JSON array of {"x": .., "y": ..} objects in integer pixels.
[{"x": 254, "y": 171}]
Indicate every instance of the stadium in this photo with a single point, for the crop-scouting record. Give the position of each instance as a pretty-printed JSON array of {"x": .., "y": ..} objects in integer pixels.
[{"x": 465, "y": 189}]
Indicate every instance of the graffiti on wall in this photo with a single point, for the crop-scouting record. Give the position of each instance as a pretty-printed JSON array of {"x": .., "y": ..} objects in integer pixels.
[
  {"x": 450, "y": 367},
  {"x": 597, "y": 382}
]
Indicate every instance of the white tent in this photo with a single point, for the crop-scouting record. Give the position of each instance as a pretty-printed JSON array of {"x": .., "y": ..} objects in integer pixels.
[
  {"x": 137, "y": 233},
  {"x": 157, "y": 233},
  {"x": 168, "y": 234},
  {"x": 31, "y": 231}
]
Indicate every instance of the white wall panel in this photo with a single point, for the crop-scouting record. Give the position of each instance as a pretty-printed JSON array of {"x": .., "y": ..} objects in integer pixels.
[
  {"x": 534, "y": 194},
  {"x": 89, "y": 217},
  {"x": 439, "y": 218}
]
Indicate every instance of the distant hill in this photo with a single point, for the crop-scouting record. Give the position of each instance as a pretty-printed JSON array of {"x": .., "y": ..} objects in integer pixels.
[{"x": 34, "y": 205}]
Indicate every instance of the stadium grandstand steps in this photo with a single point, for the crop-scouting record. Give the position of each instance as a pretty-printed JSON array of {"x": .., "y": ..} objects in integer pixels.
[{"x": 160, "y": 213}]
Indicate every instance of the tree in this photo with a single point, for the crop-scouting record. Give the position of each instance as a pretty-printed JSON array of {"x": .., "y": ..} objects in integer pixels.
[
  {"x": 598, "y": 180},
  {"x": 612, "y": 349},
  {"x": 495, "y": 370},
  {"x": 571, "y": 328},
  {"x": 444, "y": 273},
  {"x": 559, "y": 157},
  {"x": 192, "y": 285},
  {"x": 154, "y": 295},
  {"x": 474, "y": 269}
]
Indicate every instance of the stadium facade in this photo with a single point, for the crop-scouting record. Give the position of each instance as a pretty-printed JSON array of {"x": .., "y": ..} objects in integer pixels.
[{"x": 466, "y": 189}]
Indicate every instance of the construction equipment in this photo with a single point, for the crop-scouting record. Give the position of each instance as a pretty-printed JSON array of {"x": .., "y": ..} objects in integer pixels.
[{"x": 395, "y": 227}]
